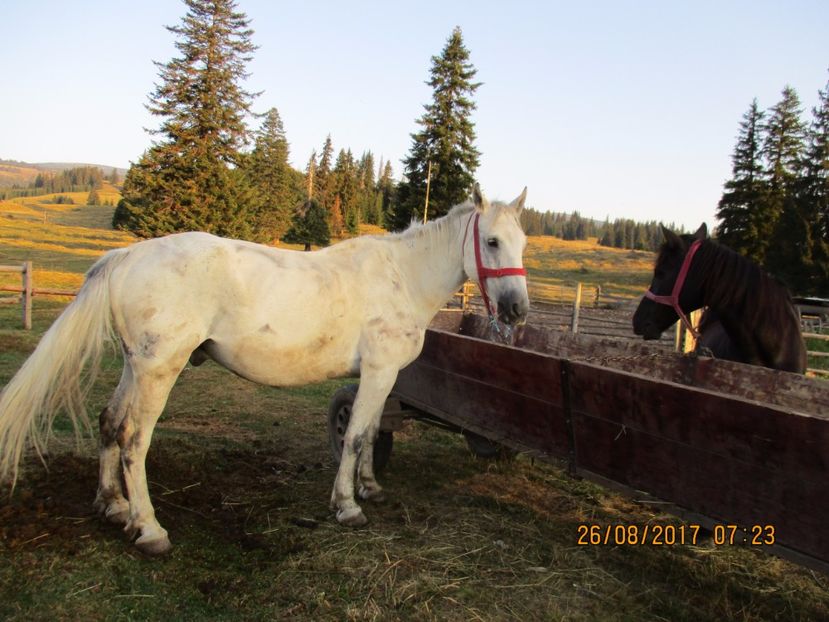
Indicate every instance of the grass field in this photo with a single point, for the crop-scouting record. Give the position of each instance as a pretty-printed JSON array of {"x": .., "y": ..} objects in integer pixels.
[{"x": 240, "y": 475}]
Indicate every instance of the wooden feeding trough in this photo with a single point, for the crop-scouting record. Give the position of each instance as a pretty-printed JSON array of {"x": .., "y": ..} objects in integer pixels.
[{"x": 719, "y": 443}]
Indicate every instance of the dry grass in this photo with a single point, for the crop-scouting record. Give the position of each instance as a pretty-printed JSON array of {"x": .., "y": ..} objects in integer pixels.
[{"x": 555, "y": 266}]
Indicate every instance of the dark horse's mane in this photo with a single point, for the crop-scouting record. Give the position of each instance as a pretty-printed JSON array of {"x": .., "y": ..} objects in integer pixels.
[
  {"x": 751, "y": 315},
  {"x": 738, "y": 283}
]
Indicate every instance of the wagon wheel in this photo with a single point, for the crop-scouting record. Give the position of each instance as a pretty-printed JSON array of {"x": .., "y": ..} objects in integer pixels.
[
  {"x": 482, "y": 447},
  {"x": 339, "y": 413}
]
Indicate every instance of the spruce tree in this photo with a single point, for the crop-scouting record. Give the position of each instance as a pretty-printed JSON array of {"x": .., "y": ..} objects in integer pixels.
[
  {"x": 740, "y": 209},
  {"x": 272, "y": 178},
  {"x": 446, "y": 138},
  {"x": 309, "y": 226},
  {"x": 345, "y": 188},
  {"x": 813, "y": 195},
  {"x": 188, "y": 180},
  {"x": 386, "y": 190},
  {"x": 322, "y": 178},
  {"x": 93, "y": 198},
  {"x": 783, "y": 231}
]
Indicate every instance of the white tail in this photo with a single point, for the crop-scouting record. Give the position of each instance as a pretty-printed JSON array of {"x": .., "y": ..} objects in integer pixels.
[{"x": 50, "y": 380}]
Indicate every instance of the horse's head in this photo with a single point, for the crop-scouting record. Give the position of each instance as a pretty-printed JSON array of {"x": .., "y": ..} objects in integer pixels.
[
  {"x": 492, "y": 256},
  {"x": 658, "y": 309}
]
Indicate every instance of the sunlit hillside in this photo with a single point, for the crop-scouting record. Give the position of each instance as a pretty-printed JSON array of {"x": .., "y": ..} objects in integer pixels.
[
  {"x": 61, "y": 239},
  {"x": 16, "y": 173},
  {"x": 552, "y": 263}
]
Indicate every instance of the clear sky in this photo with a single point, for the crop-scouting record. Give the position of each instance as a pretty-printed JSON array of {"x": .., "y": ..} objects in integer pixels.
[{"x": 620, "y": 109}]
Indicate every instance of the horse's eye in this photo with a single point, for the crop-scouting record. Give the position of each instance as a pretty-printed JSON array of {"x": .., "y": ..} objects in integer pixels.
[{"x": 492, "y": 243}]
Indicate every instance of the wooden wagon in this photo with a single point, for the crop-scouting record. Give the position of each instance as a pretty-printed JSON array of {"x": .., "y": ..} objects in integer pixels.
[{"x": 726, "y": 446}]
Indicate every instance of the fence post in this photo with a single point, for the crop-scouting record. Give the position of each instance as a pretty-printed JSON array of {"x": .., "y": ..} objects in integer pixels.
[
  {"x": 576, "y": 307},
  {"x": 26, "y": 298}
]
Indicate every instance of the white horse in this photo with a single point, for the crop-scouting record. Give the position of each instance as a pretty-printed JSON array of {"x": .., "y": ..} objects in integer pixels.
[{"x": 272, "y": 316}]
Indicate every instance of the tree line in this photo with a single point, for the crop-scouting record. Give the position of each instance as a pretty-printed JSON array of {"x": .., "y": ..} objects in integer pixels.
[
  {"x": 775, "y": 207},
  {"x": 76, "y": 179},
  {"x": 620, "y": 233}
]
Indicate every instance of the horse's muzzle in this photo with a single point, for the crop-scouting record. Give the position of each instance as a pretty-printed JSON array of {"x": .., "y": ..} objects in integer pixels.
[{"x": 513, "y": 308}]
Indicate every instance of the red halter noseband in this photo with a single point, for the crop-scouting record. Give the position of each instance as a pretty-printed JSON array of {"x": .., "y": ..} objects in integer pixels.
[
  {"x": 673, "y": 299},
  {"x": 485, "y": 273}
]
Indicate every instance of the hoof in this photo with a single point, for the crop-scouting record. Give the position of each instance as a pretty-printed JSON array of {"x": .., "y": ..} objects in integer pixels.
[
  {"x": 372, "y": 494},
  {"x": 353, "y": 517},
  {"x": 155, "y": 547}
]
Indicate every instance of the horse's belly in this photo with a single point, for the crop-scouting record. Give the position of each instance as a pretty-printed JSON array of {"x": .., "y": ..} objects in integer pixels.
[{"x": 268, "y": 362}]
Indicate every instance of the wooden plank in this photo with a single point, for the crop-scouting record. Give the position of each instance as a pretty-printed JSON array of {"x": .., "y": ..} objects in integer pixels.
[
  {"x": 725, "y": 425},
  {"x": 789, "y": 390},
  {"x": 496, "y": 391},
  {"x": 17, "y": 268},
  {"x": 730, "y": 459},
  {"x": 49, "y": 291}
]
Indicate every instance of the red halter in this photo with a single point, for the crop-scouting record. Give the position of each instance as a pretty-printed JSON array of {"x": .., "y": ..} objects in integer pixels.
[
  {"x": 673, "y": 299},
  {"x": 483, "y": 272}
]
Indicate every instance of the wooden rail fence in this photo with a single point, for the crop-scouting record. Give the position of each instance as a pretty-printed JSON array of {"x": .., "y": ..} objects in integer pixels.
[{"x": 28, "y": 291}]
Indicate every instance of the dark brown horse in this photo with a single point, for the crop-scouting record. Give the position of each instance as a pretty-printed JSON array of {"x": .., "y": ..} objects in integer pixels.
[{"x": 750, "y": 316}]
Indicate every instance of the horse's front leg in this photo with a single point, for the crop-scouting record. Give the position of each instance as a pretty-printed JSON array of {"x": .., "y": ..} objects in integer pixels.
[{"x": 375, "y": 385}]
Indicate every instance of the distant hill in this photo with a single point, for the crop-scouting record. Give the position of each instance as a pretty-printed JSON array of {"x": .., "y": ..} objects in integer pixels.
[{"x": 15, "y": 173}]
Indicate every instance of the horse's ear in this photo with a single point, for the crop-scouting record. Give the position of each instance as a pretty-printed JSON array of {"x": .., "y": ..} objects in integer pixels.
[
  {"x": 518, "y": 204},
  {"x": 478, "y": 198},
  {"x": 702, "y": 232},
  {"x": 671, "y": 238}
]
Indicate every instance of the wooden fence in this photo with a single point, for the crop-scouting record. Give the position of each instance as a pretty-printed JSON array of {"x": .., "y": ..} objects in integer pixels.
[{"x": 28, "y": 291}]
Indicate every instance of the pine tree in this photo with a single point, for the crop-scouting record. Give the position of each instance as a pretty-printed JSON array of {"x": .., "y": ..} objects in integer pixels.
[
  {"x": 367, "y": 190},
  {"x": 446, "y": 138},
  {"x": 784, "y": 232},
  {"x": 309, "y": 226},
  {"x": 188, "y": 180},
  {"x": 741, "y": 205},
  {"x": 322, "y": 179},
  {"x": 813, "y": 195},
  {"x": 345, "y": 187},
  {"x": 386, "y": 190},
  {"x": 271, "y": 176},
  {"x": 94, "y": 198}
]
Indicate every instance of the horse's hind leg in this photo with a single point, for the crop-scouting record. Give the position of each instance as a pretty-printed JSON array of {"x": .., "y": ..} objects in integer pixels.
[
  {"x": 152, "y": 386},
  {"x": 110, "y": 500}
]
